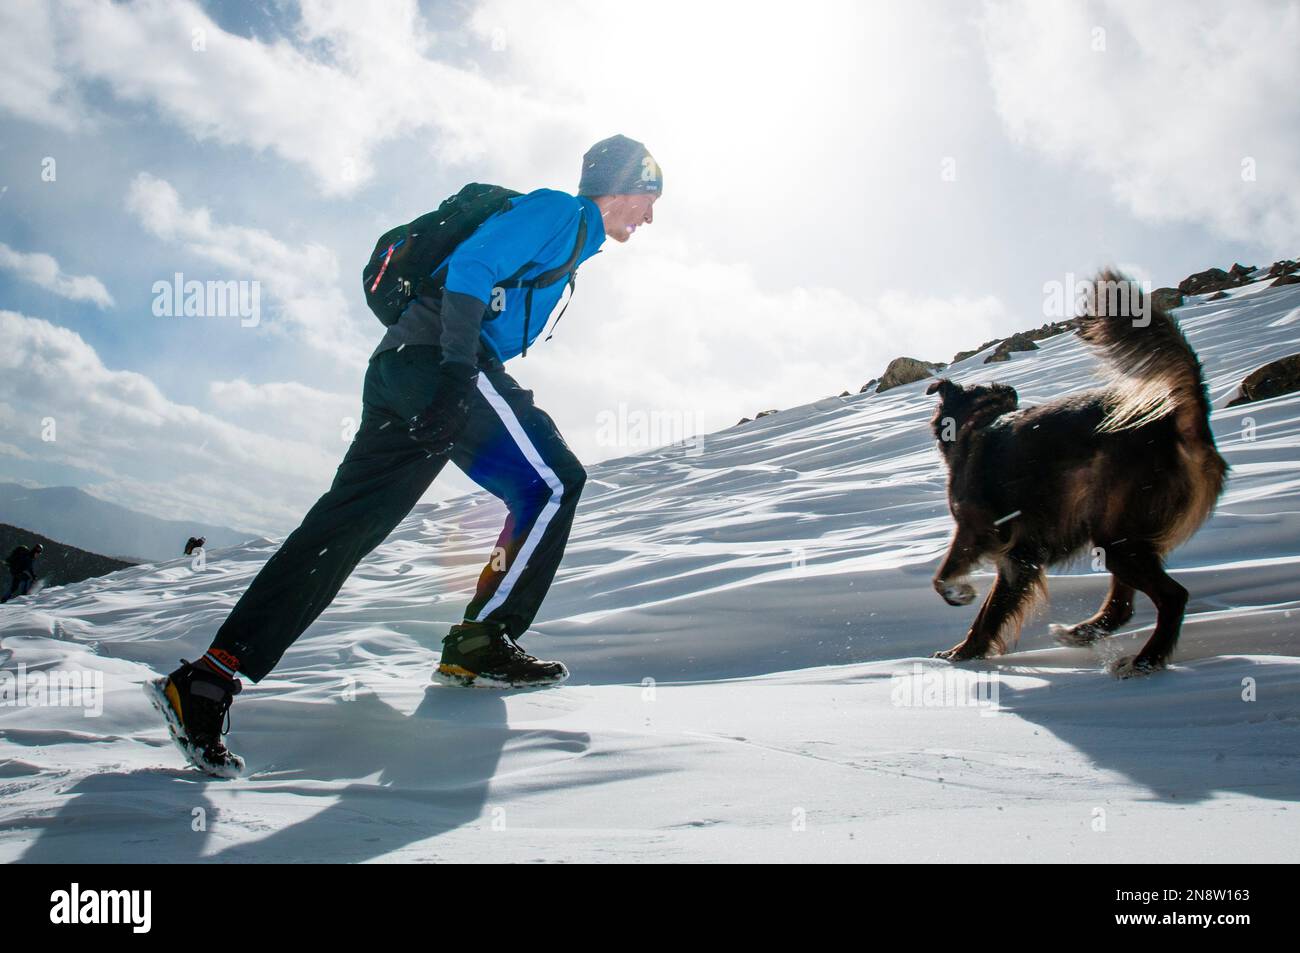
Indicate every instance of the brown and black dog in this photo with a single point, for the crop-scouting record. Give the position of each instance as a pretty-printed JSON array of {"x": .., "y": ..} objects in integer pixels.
[{"x": 1130, "y": 470}]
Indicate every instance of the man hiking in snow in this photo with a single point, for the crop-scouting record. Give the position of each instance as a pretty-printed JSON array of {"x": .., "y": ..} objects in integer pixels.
[
  {"x": 436, "y": 390},
  {"x": 22, "y": 570}
]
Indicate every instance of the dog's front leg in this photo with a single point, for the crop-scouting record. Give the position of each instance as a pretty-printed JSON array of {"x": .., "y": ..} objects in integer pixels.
[
  {"x": 950, "y": 581},
  {"x": 1008, "y": 598},
  {"x": 975, "y": 644}
]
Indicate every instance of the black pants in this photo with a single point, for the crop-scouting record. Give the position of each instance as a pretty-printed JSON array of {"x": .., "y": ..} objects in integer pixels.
[
  {"x": 19, "y": 585},
  {"x": 509, "y": 447}
]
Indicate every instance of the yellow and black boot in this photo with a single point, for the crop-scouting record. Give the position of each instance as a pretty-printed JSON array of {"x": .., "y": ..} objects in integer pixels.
[
  {"x": 483, "y": 654},
  {"x": 195, "y": 701}
]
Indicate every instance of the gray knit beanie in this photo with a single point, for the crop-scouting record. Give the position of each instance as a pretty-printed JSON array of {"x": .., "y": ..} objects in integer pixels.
[{"x": 619, "y": 166}]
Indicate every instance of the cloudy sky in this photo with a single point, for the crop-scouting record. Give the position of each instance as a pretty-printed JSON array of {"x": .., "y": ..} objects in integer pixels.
[{"x": 845, "y": 183}]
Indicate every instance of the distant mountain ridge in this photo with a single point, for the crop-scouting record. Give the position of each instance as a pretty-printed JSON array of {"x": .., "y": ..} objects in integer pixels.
[{"x": 75, "y": 517}]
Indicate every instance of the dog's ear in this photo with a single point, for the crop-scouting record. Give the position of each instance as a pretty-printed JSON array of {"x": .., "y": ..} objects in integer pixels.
[{"x": 943, "y": 386}]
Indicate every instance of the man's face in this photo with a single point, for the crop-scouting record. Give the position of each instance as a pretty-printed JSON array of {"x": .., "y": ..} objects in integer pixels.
[{"x": 624, "y": 214}]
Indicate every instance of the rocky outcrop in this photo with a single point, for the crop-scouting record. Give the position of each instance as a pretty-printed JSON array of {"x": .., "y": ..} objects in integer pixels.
[
  {"x": 1214, "y": 280},
  {"x": 962, "y": 355},
  {"x": 1211, "y": 279},
  {"x": 1286, "y": 280},
  {"x": 1272, "y": 380},
  {"x": 1017, "y": 342},
  {"x": 1020, "y": 341},
  {"x": 906, "y": 370},
  {"x": 1166, "y": 299},
  {"x": 761, "y": 413}
]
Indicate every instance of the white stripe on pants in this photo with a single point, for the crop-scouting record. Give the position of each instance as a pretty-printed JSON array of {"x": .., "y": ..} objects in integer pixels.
[{"x": 520, "y": 437}]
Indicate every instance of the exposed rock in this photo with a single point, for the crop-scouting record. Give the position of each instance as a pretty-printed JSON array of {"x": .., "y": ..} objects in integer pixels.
[
  {"x": 1017, "y": 342},
  {"x": 1286, "y": 280},
  {"x": 1283, "y": 267},
  {"x": 962, "y": 355},
  {"x": 1211, "y": 279},
  {"x": 1166, "y": 299},
  {"x": 1053, "y": 329},
  {"x": 744, "y": 420},
  {"x": 845, "y": 394},
  {"x": 1273, "y": 379},
  {"x": 1217, "y": 296},
  {"x": 764, "y": 413},
  {"x": 1021, "y": 338},
  {"x": 1241, "y": 271},
  {"x": 869, "y": 385},
  {"x": 906, "y": 370}
]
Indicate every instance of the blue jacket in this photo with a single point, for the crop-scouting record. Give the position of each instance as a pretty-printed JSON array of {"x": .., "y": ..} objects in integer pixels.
[{"x": 539, "y": 230}]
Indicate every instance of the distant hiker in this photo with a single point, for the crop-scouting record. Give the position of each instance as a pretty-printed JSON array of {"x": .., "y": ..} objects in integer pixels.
[
  {"x": 22, "y": 570},
  {"x": 194, "y": 542},
  {"x": 462, "y": 289}
]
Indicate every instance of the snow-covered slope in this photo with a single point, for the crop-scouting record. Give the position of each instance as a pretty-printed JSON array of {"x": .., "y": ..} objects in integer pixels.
[{"x": 747, "y": 623}]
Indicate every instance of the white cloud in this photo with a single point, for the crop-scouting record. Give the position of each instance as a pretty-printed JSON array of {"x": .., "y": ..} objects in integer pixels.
[
  {"x": 303, "y": 280},
  {"x": 44, "y": 270},
  {"x": 167, "y": 458},
  {"x": 286, "y": 407},
  {"x": 352, "y": 77},
  {"x": 32, "y": 84},
  {"x": 11, "y": 450},
  {"x": 1179, "y": 102}
]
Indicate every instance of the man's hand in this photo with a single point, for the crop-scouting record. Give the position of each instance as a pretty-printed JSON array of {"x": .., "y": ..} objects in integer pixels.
[{"x": 437, "y": 426}]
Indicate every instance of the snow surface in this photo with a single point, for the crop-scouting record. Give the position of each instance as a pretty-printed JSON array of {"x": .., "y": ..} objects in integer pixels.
[{"x": 747, "y": 621}]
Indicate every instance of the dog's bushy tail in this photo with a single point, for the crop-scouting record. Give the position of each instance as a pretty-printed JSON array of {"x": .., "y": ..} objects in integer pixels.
[
  {"x": 1157, "y": 371},
  {"x": 1158, "y": 375}
]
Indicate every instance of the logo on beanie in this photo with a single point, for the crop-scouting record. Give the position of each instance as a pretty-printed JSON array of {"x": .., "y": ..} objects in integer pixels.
[{"x": 649, "y": 171}]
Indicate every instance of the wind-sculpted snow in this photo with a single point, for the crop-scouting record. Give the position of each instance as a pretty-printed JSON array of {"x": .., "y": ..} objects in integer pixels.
[{"x": 748, "y": 620}]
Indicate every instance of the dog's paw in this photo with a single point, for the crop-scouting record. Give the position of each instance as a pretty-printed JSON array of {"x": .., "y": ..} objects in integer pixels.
[
  {"x": 1132, "y": 666},
  {"x": 1085, "y": 633},
  {"x": 960, "y": 652},
  {"x": 956, "y": 593}
]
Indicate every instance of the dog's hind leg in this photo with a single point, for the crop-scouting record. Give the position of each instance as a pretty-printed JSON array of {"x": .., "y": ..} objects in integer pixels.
[
  {"x": 1143, "y": 570},
  {"x": 1114, "y": 612},
  {"x": 1019, "y": 578}
]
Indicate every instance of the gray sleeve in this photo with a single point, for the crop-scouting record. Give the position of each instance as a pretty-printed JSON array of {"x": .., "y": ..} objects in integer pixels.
[{"x": 461, "y": 316}]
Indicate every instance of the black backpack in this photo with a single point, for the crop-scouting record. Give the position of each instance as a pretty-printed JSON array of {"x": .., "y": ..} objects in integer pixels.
[
  {"x": 17, "y": 556},
  {"x": 406, "y": 258}
]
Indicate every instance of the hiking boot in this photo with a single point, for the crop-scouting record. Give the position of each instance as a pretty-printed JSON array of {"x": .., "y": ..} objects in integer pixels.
[
  {"x": 195, "y": 702},
  {"x": 483, "y": 654}
]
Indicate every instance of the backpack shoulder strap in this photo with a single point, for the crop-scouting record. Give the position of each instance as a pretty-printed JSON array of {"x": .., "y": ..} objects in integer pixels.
[
  {"x": 552, "y": 275},
  {"x": 555, "y": 274},
  {"x": 569, "y": 269}
]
